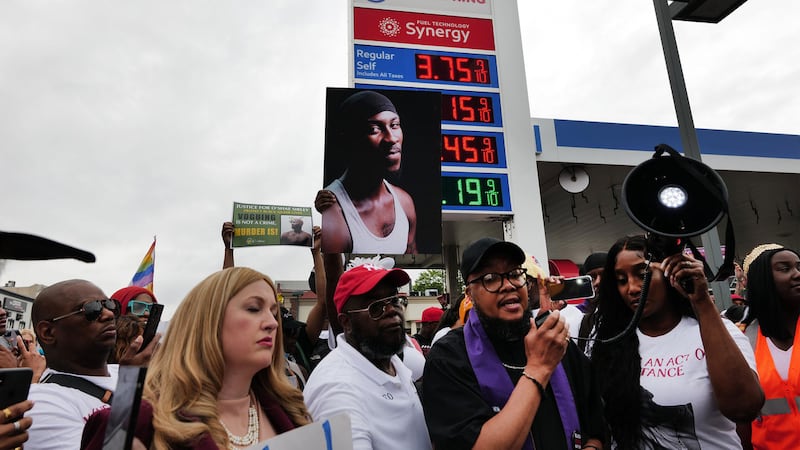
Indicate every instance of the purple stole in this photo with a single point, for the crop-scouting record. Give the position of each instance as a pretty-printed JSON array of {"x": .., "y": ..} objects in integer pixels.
[{"x": 496, "y": 385}]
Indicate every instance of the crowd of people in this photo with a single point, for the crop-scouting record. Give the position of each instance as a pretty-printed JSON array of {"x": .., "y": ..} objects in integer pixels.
[
  {"x": 235, "y": 367},
  {"x": 648, "y": 362}
]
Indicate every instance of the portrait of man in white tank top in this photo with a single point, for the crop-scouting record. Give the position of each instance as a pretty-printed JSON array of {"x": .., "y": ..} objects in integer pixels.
[{"x": 366, "y": 208}]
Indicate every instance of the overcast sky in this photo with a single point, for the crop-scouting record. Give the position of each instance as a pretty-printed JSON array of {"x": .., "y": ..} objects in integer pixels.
[{"x": 124, "y": 120}]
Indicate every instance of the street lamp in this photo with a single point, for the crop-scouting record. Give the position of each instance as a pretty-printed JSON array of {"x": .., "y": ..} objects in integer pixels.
[{"x": 711, "y": 11}]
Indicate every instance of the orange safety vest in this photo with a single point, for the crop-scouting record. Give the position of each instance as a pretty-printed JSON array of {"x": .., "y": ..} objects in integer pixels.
[{"x": 778, "y": 425}]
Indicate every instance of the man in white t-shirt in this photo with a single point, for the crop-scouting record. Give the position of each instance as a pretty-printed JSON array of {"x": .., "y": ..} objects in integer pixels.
[
  {"x": 363, "y": 376},
  {"x": 76, "y": 326}
]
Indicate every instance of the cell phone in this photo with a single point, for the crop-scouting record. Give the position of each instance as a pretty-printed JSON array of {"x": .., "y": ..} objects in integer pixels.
[
  {"x": 572, "y": 288},
  {"x": 151, "y": 326},
  {"x": 125, "y": 408},
  {"x": 10, "y": 339},
  {"x": 14, "y": 385}
]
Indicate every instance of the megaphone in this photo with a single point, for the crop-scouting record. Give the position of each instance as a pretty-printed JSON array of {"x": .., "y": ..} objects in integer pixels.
[
  {"x": 677, "y": 197},
  {"x": 674, "y": 196}
]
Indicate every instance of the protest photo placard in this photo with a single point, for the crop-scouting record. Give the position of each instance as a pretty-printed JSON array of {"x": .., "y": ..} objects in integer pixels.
[{"x": 257, "y": 225}]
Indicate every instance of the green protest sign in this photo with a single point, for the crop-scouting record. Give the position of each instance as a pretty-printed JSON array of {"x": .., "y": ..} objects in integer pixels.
[{"x": 256, "y": 225}]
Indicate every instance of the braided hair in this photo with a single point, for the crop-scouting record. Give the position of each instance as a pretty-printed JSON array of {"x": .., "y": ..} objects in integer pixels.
[
  {"x": 617, "y": 365},
  {"x": 765, "y": 304}
]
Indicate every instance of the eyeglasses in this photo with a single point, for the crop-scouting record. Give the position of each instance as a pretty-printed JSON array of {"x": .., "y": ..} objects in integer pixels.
[
  {"x": 139, "y": 308},
  {"x": 493, "y": 282},
  {"x": 93, "y": 309},
  {"x": 377, "y": 309}
]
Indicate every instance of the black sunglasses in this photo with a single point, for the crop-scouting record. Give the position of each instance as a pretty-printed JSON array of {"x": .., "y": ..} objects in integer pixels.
[{"x": 93, "y": 309}]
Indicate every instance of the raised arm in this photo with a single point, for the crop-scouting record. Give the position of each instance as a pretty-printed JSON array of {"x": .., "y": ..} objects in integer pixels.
[
  {"x": 31, "y": 359},
  {"x": 316, "y": 317},
  {"x": 547, "y": 303},
  {"x": 739, "y": 397},
  {"x": 227, "y": 240},
  {"x": 332, "y": 262},
  {"x": 337, "y": 233}
]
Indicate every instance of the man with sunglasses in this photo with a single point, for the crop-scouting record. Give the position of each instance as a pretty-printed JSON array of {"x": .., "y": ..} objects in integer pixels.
[
  {"x": 363, "y": 376},
  {"x": 501, "y": 381},
  {"x": 75, "y": 323}
]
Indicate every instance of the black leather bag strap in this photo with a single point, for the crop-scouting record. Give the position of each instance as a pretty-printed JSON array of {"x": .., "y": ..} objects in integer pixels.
[{"x": 81, "y": 384}]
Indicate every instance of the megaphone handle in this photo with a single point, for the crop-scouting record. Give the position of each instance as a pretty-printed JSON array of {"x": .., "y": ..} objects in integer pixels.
[{"x": 540, "y": 319}]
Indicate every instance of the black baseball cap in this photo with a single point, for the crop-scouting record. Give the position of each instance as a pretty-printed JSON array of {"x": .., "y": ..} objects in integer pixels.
[
  {"x": 594, "y": 261},
  {"x": 473, "y": 256}
]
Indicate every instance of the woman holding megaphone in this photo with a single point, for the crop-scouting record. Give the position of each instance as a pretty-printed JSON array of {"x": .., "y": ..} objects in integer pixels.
[{"x": 684, "y": 377}]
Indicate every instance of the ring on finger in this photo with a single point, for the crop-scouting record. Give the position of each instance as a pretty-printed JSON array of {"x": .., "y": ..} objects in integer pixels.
[
  {"x": 16, "y": 427},
  {"x": 7, "y": 413}
]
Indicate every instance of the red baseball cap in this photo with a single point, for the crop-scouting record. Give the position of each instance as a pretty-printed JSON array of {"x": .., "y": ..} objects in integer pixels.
[
  {"x": 432, "y": 314},
  {"x": 362, "y": 279},
  {"x": 126, "y": 294}
]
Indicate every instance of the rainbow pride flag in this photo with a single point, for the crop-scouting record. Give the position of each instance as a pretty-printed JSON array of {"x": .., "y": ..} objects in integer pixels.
[{"x": 144, "y": 275}]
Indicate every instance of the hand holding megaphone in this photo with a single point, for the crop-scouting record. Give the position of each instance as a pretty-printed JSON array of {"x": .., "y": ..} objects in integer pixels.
[{"x": 686, "y": 274}]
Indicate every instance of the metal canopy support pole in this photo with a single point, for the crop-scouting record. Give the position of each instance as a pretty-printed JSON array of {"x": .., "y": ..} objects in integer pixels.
[
  {"x": 691, "y": 148},
  {"x": 451, "y": 263}
]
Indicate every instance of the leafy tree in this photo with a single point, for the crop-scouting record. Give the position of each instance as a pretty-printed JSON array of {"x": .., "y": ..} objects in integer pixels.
[{"x": 429, "y": 279}]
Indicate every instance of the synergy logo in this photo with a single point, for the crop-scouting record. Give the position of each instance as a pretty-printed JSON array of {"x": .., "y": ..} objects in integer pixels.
[
  {"x": 373, "y": 24},
  {"x": 389, "y": 27},
  {"x": 454, "y": 32}
]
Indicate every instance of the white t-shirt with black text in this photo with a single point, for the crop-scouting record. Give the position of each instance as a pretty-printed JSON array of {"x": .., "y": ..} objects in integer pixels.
[{"x": 682, "y": 412}]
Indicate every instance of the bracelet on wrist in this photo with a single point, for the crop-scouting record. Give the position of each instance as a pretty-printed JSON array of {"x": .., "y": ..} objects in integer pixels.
[{"x": 535, "y": 382}]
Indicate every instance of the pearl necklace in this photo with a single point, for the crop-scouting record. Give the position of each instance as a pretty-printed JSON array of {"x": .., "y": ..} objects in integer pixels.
[{"x": 251, "y": 437}]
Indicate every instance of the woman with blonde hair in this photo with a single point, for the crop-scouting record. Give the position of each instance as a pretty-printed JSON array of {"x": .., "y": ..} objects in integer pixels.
[{"x": 217, "y": 381}]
